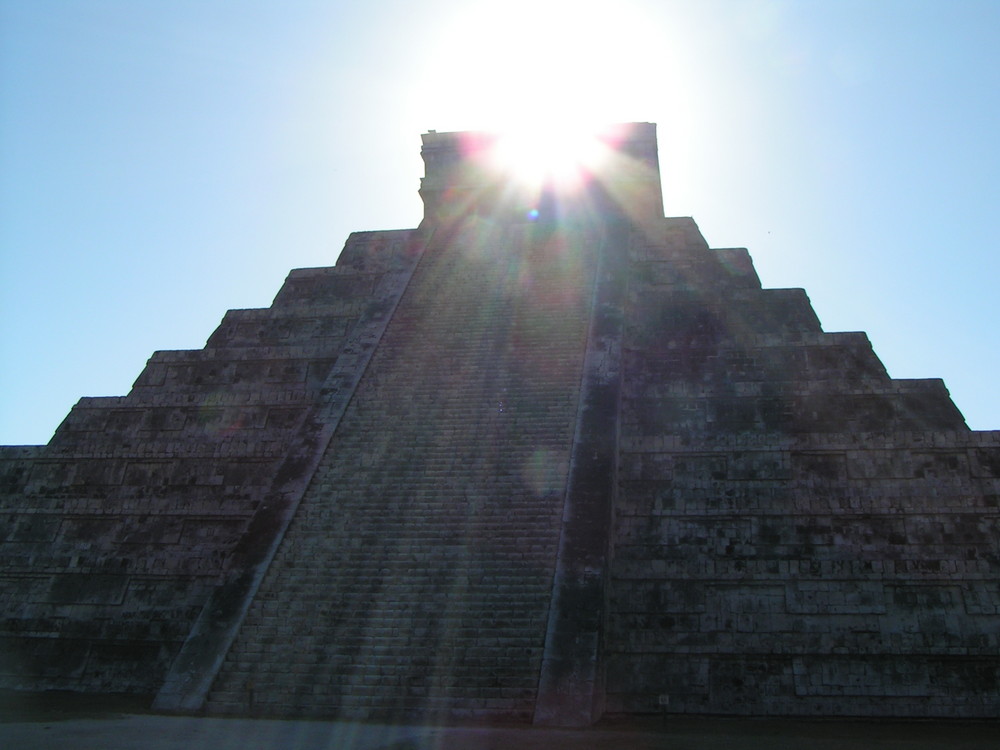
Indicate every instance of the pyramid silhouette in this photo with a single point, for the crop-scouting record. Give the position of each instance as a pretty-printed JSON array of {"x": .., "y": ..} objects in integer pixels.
[{"x": 547, "y": 456}]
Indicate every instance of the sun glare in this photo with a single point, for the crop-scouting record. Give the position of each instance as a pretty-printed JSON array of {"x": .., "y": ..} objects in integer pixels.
[
  {"x": 550, "y": 75},
  {"x": 546, "y": 153},
  {"x": 530, "y": 64}
]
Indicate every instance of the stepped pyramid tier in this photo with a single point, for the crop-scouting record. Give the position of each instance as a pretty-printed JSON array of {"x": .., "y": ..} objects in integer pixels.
[{"x": 548, "y": 456}]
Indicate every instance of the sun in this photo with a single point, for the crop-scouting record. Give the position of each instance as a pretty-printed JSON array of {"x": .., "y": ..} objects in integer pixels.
[
  {"x": 505, "y": 66},
  {"x": 547, "y": 75},
  {"x": 563, "y": 155},
  {"x": 544, "y": 79}
]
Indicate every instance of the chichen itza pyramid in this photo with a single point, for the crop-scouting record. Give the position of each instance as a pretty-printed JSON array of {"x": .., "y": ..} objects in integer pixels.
[{"x": 547, "y": 456}]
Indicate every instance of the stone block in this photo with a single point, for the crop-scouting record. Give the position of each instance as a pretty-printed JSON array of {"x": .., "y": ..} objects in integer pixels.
[{"x": 90, "y": 588}]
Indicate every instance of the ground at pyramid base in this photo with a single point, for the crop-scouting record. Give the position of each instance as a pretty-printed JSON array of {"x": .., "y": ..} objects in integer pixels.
[
  {"x": 547, "y": 457},
  {"x": 104, "y": 728}
]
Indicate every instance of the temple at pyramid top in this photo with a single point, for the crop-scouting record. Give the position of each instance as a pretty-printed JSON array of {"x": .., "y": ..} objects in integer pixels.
[{"x": 606, "y": 170}]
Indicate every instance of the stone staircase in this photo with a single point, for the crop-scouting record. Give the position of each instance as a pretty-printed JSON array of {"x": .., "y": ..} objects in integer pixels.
[{"x": 416, "y": 576}]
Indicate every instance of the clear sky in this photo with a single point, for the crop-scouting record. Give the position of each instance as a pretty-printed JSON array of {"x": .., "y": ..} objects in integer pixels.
[{"x": 161, "y": 162}]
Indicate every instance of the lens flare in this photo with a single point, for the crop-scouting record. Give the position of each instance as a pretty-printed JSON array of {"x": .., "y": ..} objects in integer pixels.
[{"x": 544, "y": 153}]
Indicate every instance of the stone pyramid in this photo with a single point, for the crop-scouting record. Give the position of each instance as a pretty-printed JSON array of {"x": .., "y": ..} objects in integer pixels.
[{"x": 547, "y": 457}]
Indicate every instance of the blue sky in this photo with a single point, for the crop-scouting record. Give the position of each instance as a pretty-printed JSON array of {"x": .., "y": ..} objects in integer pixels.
[{"x": 161, "y": 162}]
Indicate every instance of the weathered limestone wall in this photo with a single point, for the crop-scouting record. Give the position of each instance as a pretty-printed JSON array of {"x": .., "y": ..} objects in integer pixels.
[
  {"x": 796, "y": 532},
  {"x": 115, "y": 533},
  {"x": 415, "y": 578}
]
